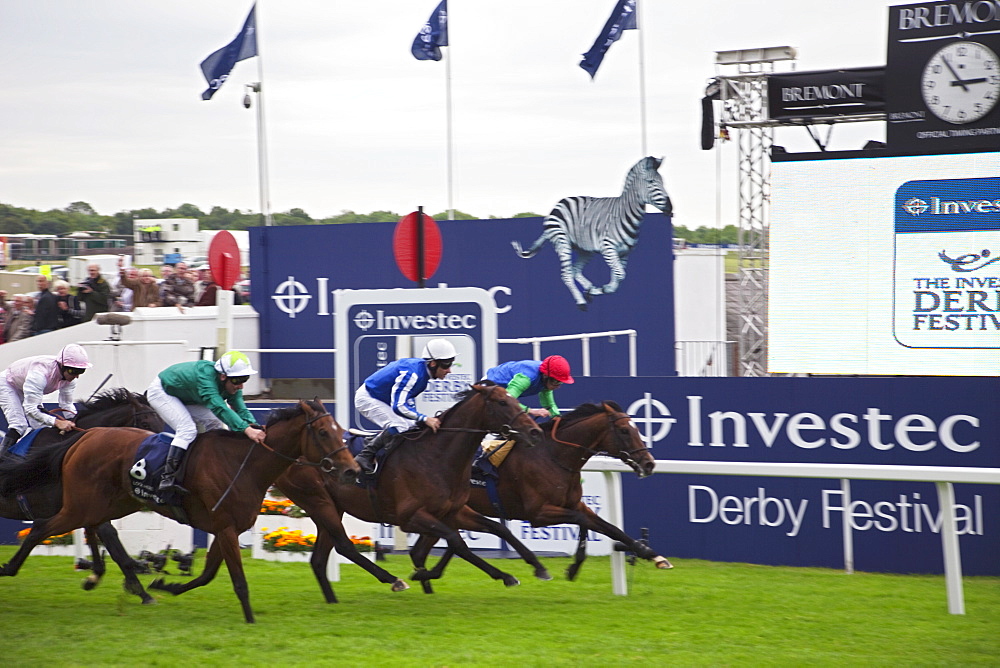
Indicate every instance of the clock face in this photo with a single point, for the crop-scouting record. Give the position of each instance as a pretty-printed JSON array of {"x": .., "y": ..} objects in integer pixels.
[{"x": 961, "y": 82}]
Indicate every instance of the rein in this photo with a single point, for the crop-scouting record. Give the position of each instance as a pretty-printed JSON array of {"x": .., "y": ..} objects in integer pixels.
[
  {"x": 325, "y": 464},
  {"x": 627, "y": 456}
]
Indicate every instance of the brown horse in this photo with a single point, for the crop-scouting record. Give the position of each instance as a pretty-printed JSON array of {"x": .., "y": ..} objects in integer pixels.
[
  {"x": 227, "y": 476},
  {"x": 116, "y": 407},
  {"x": 541, "y": 485},
  {"x": 422, "y": 487}
]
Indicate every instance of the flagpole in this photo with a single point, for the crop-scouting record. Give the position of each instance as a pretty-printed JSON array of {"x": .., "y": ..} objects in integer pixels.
[
  {"x": 262, "y": 175},
  {"x": 447, "y": 69},
  {"x": 642, "y": 77}
]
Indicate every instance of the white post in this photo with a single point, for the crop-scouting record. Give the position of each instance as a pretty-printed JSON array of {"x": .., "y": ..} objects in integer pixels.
[
  {"x": 585, "y": 349},
  {"x": 79, "y": 543},
  {"x": 447, "y": 94},
  {"x": 262, "y": 175},
  {"x": 632, "y": 362},
  {"x": 224, "y": 321},
  {"x": 616, "y": 516},
  {"x": 949, "y": 545},
  {"x": 642, "y": 78},
  {"x": 848, "y": 529}
]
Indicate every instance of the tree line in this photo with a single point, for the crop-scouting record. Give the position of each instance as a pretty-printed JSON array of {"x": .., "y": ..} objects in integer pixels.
[{"x": 81, "y": 217}]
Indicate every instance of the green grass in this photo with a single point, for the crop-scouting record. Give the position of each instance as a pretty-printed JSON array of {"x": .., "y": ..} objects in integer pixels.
[{"x": 699, "y": 614}]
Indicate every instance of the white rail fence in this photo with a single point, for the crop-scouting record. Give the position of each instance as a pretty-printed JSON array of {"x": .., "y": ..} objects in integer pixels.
[
  {"x": 943, "y": 477},
  {"x": 537, "y": 341}
]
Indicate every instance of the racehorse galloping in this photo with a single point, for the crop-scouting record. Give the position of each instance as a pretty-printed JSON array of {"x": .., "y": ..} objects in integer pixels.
[
  {"x": 227, "y": 476},
  {"x": 116, "y": 407},
  {"x": 541, "y": 485},
  {"x": 422, "y": 488}
]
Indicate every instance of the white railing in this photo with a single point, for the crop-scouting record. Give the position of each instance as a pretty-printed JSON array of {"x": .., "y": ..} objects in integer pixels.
[
  {"x": 942, "y": 476},
  {"x": 536, "y": 345}
]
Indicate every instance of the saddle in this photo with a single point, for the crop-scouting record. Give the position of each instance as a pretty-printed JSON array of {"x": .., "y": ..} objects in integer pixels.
[
  {"x": 491, "y": 455},
  {"x": 24, "y": 443}
]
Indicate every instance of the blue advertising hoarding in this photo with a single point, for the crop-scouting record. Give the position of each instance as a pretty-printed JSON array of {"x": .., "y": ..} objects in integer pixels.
[
  {"x": 799, "y": 522},
  {"x": 296, "y": 269}
]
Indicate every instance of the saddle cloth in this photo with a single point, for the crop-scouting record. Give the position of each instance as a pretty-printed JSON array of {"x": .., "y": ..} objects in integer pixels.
[
  {"x": 24, "y": 443},
  {"x": 147, "y": 468}
]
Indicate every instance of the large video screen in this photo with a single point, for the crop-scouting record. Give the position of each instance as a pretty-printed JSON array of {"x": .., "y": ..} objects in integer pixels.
[{"x": 886, "y": 266}]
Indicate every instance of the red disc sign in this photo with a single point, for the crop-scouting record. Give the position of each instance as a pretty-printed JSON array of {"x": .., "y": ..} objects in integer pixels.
[
  {"x": 224, "y": 259},
  {"x": 404, "y": 246}
]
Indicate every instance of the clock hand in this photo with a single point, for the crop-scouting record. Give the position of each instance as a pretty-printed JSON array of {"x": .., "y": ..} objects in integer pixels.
[
  {"x": 962, "y": 82},
  {"x": 958, "y": 80}
]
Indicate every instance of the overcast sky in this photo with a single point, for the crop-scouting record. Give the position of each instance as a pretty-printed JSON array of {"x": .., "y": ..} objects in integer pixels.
[{"x": 100, "y": 101}]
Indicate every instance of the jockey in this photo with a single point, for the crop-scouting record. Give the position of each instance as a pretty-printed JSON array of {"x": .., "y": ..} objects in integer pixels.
[
  {"x": 27, "y": 380},
  {"x": 528, "y": 377},
  {"x": 200, "y": 395},
  {"x": 388, "y": 396}
]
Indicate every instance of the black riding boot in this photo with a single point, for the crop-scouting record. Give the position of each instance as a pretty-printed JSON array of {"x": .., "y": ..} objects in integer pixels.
[
  {"x": 174, "y": 457},
  {"x": 9, "y": 440},
  {"x": 366, "y": 458}
]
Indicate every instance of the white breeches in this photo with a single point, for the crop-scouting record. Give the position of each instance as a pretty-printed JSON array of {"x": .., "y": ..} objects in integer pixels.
[
  {"x": 378, "y": 412},
  {"x": 187, "y": 420},
  {"x": 12, "y": 404}
]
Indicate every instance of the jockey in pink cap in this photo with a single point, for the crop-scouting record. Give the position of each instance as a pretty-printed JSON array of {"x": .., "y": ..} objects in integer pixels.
[{"x": 26, "y": 381}]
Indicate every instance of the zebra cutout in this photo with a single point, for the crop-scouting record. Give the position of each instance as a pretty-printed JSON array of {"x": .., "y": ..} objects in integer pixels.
[{"x": 605, "y": 225}]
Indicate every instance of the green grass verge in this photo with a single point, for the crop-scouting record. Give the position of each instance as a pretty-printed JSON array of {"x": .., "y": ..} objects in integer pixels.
[{"x": 699, "y": 614}]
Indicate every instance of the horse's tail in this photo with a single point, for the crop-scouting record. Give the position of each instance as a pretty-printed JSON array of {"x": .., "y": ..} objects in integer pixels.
[{"x": 42, "y": 466}]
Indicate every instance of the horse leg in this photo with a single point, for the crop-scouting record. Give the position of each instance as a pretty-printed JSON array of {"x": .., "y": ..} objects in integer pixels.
[
  {"x": 468, "y": 518},
  {"x": 230, "y": 547},
  {"x": 318, "y": 560},
  {"x": 588, "y": 520},
  {"x": 128, "y": 565},
  {"x": 60, "y": 523},
  {"x": 423, "y": 523},
  {"x": 578, "y": 557},
  {"x": 212, "y": 562},
  {"x": 97, "y": 566},
  {"x": 418, "y": 555}
]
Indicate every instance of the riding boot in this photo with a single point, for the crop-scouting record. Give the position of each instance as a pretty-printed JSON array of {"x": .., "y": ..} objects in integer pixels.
[
  {"x": 9, "y": 440},
  {"x": 366, "y": 458},
  {"x": 174, "y": 457}
]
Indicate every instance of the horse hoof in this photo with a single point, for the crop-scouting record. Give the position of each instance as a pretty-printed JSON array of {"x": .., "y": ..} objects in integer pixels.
[
  {"x": 511, "y": 581},
  {"x": 89, "y": 585},
  {"x": 662, "y": 563},
  {"x": 543, "y": 574},
  {"x": 399, "y": 585},
  {"x": 149, "y": 600}
]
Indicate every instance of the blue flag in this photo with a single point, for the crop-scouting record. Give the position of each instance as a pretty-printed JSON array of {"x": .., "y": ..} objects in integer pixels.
[
  {"x": 217, "y": 66},
  {"x": 621, "y": 19},
  {"x": 434, "y": 34}
]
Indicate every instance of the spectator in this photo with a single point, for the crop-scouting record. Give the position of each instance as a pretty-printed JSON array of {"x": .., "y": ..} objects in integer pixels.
[
  {"x": 70, "y": 310},
  {"x": 204, "y": 278},
  {"x": 4, "y": 309},
  {"x": 94, "y": 293},
  {"x": 146, "y": 291},
  {"x": 210, "y": 295},
  {"x": 165, "y": 272},
  {"x": 122, "y": 296},
  {"x": 19, "y": 319},
  {"x": 46, "y": 318},
  {"x": 176, "y": 289}
]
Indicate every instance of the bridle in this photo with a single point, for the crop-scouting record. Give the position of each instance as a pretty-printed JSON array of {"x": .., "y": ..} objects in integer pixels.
[
  {"x": 326, "y": 463},
  {"x": 624, "y": 454},
  {"x": 505, "y": 430}
]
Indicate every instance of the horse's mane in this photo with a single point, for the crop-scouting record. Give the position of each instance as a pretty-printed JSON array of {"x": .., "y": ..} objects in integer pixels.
[
  {"x": 464, "y": 395},
  {"x": 583, "y": 411},
  {"x": 281, "y": 414},
  {"x": 116, "y": 396}
]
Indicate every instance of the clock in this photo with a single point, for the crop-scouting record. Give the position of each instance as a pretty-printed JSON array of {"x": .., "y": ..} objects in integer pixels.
[{"x": 961, "y": 82}]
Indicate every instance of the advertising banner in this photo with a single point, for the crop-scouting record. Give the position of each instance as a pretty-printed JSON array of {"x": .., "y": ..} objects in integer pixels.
[
  {"x": 795, "y": 521},
  {"x": 297, "y": 268},
  {"x": 845, "y": 92},
  {"x": 885, "y": 265}
]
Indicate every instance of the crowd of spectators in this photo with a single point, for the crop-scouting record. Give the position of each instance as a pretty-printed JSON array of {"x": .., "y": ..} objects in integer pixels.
[{"x": 56, "y": 306}]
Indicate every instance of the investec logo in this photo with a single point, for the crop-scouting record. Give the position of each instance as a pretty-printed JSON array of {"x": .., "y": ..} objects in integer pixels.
[
  {"x": 809, "y": 431},
  {"x": 388, "y": 322},
  {"x": 915, "y": 206}
]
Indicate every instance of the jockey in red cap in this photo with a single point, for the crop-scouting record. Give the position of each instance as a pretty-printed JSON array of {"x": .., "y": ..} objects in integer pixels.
[{"x": 528, "y": 377}]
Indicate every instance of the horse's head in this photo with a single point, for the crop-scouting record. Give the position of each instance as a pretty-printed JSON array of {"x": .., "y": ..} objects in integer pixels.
[
  {"x": 624, "y": 441},
  {"x": 119, "y": 407},
  {"x": 504, "y": 415},
  {"x": 324, "y": 442}
]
